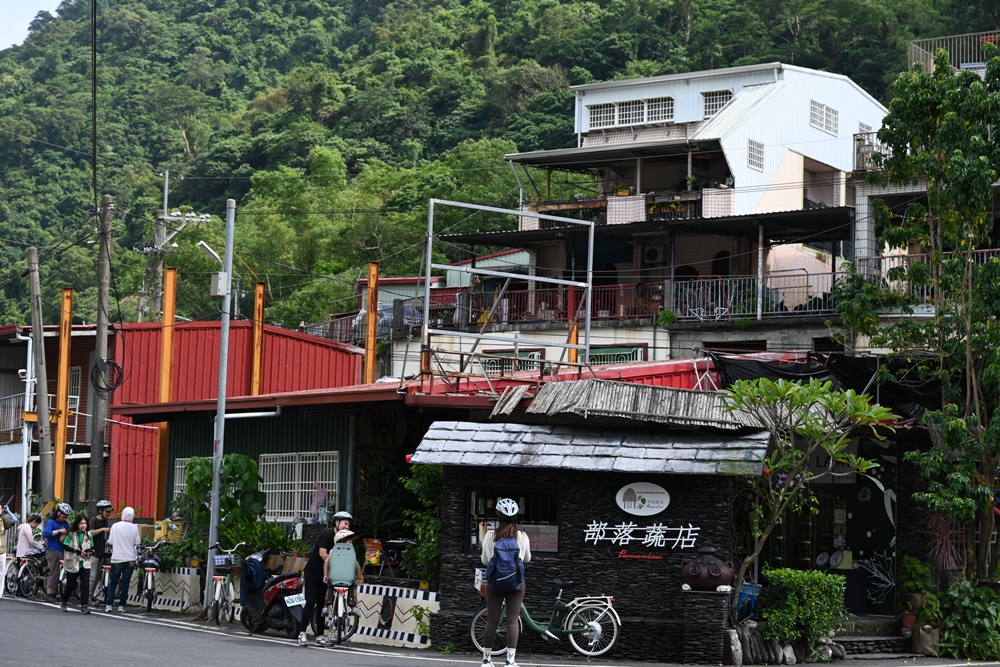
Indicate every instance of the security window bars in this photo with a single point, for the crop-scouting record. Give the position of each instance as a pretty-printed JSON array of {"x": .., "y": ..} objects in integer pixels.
[
  {"x": 824, "y": 118},
  {"x": 602, "y": 115},
  {"x": 659, "y": 109},
  {"x": 631, "y": 112},
  {"x": 714, "y": 101},
  {"x": 180, "y": 480},
  {"x": 527, "y": 360},
  {"x": 755, "y": 155},
  {"x": 290, "y": 482},
  {"x": 614, "y": 355}
]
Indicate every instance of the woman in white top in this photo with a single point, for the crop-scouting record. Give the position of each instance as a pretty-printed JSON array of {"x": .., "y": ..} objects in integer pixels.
[
  {"x": 26, "y": 538},
  {"x": 507, "y": 511}
]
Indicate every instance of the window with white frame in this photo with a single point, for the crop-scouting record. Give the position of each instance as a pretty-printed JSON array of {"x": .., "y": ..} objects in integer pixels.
[
  {"x": 602, "y": 115},
  {"x": 824, "y": 118},
  {"x": 180, "y": 479},
  {"x": 659, "y": 109},
  {"x": 290, "y": 482},
  {"x": 527, "y": 360},
  {"x": 714, "y": 101},
  {"x": 864, "y": 128},
  {"x": 75, "y": 375},
  {"x": 755, "y": 155},
  {"x": 632, "y": 112}
]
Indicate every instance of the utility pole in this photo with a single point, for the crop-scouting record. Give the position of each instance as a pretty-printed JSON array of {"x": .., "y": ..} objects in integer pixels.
[
  {"x": 220, "y": 407},
  {"x": 46, "y": 455},
  {"x": 371, "y": 330},
  {"x": 95, "y": 480}
]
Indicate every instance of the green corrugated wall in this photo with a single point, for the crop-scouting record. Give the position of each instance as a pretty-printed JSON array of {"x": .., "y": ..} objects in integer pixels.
[{"x": 295, "y": 430}]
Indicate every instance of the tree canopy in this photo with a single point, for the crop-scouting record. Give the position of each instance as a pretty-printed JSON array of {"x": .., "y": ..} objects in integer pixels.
[{"x": 332, "y": 121}]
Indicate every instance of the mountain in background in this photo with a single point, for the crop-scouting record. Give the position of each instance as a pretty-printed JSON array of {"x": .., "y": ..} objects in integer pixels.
[{"x": 331, "y": 122}]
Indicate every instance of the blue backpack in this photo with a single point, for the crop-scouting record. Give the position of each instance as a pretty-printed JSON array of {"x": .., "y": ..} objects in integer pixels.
[{"x": 505, "y": 571}]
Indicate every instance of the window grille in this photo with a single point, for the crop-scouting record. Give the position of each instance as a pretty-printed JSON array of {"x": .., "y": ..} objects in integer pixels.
[
  {"x": 290, "y": 482},
  {"x": 602, "y": 115},
  {"x": 527, "y": 361},
  {"x": 755, "y": 155},
  {"x": 74, "y": 388},
  {"x": 824, "y": 118},
  {"x": 180, "y": 480},
  {"x": 632, "y": 112},
  {"x": 715, "y": 100},
  {"x": 864, "y": 128},
  {"x": 659, "y": 109},
  {"x": 614, "y": 355}
]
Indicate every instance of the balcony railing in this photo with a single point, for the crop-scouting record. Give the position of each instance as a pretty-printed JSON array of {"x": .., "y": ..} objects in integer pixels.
[
  {"x": 620, "y": 210},
  {"x": 865, "y": 144},
  {"x": 11, "y": 421},
  {"x": 964, "y": 51}
]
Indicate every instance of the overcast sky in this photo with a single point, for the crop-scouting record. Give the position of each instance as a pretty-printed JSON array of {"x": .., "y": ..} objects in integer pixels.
[{"x": 15, "y": 16}]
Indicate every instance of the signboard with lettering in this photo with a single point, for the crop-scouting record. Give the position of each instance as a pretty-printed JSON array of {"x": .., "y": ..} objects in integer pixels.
[{"x": 642, "y": 498}]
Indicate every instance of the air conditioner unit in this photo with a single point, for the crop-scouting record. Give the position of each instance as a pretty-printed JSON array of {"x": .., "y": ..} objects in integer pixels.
[{"x": 653, "y": 254}]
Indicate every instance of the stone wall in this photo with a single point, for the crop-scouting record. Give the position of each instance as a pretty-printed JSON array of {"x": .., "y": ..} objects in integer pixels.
[{"x": 648, "y": 591}]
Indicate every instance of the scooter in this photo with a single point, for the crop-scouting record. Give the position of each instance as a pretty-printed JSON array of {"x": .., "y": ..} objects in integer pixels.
[{"x": 276, "y": 605}]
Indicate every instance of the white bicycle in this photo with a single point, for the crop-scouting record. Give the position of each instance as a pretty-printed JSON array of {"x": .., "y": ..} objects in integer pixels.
[{"x": 224, "y": 600}]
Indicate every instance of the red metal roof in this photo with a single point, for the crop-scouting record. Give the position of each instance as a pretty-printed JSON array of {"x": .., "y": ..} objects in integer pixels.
[{"x": 292, "y": 361}]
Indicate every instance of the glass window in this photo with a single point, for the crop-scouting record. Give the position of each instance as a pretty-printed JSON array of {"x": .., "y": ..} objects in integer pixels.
[
  {"x": 824, "y": 118},
  {"x": 715, "y": 100},
  {"x": 755, "y": 155},
  {"x": 539, "y": 517},
  {"x": 659, "y": 109},
  {"x": 602, "y": 115},
  {"x": 290, "y": 481},
  {"x": 632, "y": 112}
]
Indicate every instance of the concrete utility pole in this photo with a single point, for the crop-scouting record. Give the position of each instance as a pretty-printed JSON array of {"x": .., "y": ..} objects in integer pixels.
[
  {"x": 95, "y": 480},
  {"x": 220, "y": 408},
  {"x": 46, "y": 455}
]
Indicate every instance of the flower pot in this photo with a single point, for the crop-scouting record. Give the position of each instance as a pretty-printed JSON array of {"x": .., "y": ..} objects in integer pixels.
[
  {"x": 623, "y": 193},
  {"x": 909, "y": 619}
]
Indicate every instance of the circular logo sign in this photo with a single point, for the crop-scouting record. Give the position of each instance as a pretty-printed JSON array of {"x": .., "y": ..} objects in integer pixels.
[{"x": 642, "y": 498}]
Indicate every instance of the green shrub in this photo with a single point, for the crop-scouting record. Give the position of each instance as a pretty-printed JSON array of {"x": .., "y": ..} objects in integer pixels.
[
  {"x": 930, "y": 613},
  {"x": 801, "y": 604},
  {"x": 258, "y": 535},
  {"x": 423, "y": 559},
  {"x": 666, "y": 318},
  {"x": 971, "y": 629},
  {"x": 915, "y": 576},
  {"x": 176, "y": 554}
]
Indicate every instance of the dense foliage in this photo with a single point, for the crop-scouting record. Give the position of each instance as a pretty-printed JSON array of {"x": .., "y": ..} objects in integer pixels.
[
  {"x": 940, "y": 133},
  {"x": 971, "y": 629},
  {"x": 423, "y": 559},
  {"x": 797, "y": 604},
  {"x": 331, "y": 122}
]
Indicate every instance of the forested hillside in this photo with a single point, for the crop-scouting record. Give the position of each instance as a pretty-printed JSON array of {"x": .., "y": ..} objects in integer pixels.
[{"x": 331, "y": 122}]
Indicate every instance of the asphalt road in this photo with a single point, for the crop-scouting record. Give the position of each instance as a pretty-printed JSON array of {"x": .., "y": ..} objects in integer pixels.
[{"x": 35, "y": 633}]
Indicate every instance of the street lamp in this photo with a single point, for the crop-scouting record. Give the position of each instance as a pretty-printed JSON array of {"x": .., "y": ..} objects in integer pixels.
[{"x": 220, "y": 408}]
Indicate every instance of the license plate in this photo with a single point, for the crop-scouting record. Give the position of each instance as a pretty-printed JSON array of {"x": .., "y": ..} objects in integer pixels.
[{"x": 295, "y": 600}]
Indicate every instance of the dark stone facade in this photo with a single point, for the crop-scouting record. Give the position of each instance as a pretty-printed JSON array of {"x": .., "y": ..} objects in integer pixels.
[{"x": 653, "y": 608}]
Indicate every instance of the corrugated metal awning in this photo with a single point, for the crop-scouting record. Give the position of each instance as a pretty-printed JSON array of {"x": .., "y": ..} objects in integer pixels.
[
  {"x": 607, "y": 450},
  {"x": 638, "y": 402}
]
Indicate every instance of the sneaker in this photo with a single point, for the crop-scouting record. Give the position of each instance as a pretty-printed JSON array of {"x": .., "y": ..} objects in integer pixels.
[
  {"x": 487, "y": 662},
  {"x": 121, "y": 609},
  {"x": 84, "y": 609},
  {"x": 323, "y": 641},
  {"x": 107, "y": 609},
  {"x": 302, "y": 639},
  {"x": 62, "y": 606}
]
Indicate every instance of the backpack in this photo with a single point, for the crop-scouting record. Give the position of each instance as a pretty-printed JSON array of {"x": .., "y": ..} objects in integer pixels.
[{"x": 505, "y": 571}]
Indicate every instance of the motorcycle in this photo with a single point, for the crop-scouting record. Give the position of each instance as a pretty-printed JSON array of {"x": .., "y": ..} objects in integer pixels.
[{"x": 276, "y": 605}]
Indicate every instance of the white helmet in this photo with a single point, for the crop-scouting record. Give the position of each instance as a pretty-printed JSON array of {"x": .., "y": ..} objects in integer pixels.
[{"x": 507, "y": 507}]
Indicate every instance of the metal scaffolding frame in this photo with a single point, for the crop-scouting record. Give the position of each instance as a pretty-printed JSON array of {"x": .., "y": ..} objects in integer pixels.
[{"x": 515, "y": 338}]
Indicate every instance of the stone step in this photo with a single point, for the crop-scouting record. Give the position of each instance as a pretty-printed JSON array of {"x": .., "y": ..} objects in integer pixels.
[
  {"x": 874, "y": 644},
  {"x": 870, "y": 626}
]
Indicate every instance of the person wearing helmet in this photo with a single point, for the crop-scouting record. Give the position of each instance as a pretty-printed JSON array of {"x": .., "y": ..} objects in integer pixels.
[
  {"x": 56, "y": 528},
  {"x": 314, "y": 580},
  {"x": 99, "y": 529},
  {"x": 342, "y": 520},
  {"x": 507, "y": 510}
]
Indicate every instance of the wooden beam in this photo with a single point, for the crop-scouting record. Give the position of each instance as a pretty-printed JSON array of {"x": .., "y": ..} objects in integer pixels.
[
  {"x": 62, "y": 393},
  {"x": 166, "y": 388}
]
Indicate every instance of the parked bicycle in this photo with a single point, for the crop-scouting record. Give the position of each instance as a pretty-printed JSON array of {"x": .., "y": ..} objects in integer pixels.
[
  {"x": 103, "y": 579},
  {"x": 224, "y": 598},
  {"x": 31, "y": 573},
  {"x": 150, "y": 566},
  {"x": 590, "y": 623},
  {"x": 10, "y": 579}
]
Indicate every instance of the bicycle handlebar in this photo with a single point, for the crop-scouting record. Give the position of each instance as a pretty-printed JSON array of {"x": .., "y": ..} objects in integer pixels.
[{"x": 218, "y": 546}]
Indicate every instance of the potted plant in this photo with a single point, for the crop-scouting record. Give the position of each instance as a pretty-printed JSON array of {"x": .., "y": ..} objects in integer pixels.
[
  {"x": 908, "y": 617},
  {"x": 915, "y": 582},
  {"x": 621, "y": 189}
]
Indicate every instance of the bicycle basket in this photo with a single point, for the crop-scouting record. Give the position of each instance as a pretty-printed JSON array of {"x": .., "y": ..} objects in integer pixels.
[{"x": 226, "y": 562}]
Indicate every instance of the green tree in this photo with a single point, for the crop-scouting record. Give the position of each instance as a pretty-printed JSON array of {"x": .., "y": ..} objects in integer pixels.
[
  {"x": 804, "y": 420},
  {"x": 941, "y": 132}
]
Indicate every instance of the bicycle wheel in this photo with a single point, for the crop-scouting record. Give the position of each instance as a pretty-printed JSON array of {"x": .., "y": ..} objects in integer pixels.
[
  {"x": 100, "y": 590},
  {"x": 150, "y": 593},
  {"x": 10, "y": 581},
  {"x": 350, "y": 622},
  {"x": 478, "y": 631},
  {"x": 216, "y": 611},
  {"x": 228, "y": 609},
  {"x": 28, "y": 584},
  {"x": 592, "y": 630}
]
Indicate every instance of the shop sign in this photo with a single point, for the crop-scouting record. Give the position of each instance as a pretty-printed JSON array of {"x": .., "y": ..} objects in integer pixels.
[
  {"x": 642, "y": 498},
  {"x": 654, "y": 535}
]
